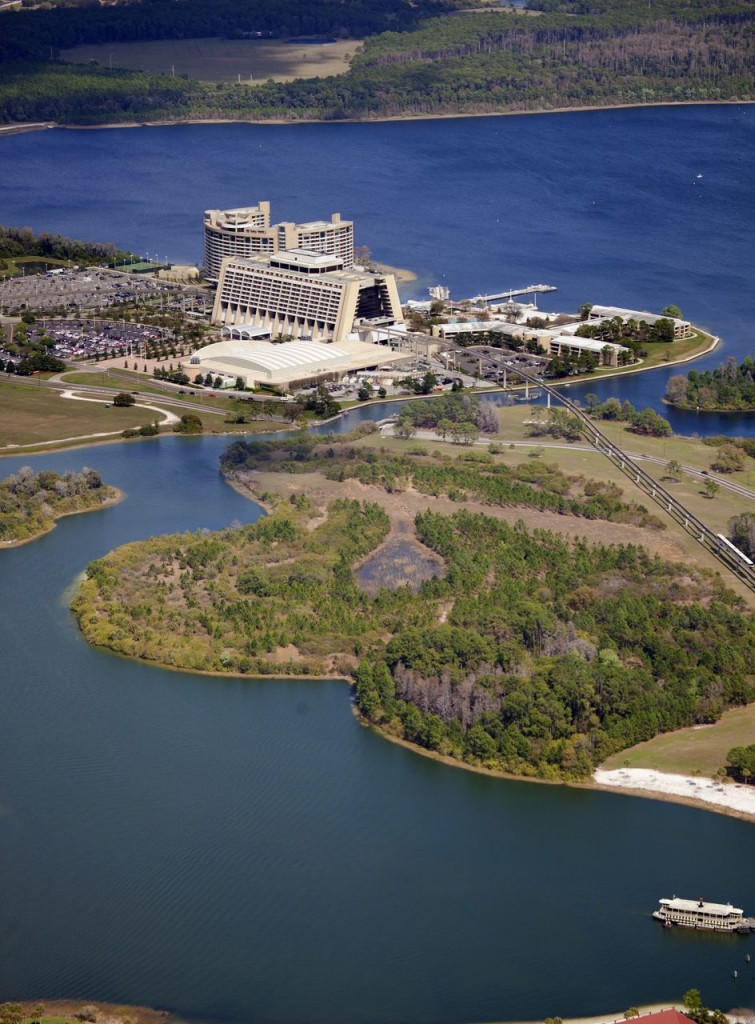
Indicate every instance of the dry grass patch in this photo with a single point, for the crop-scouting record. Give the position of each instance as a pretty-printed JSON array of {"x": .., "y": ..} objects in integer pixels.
[{"x": 223, "y": 60}]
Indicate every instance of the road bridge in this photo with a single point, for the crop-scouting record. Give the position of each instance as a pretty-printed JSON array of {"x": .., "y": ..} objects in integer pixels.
[{"x": 686, "y": 519}]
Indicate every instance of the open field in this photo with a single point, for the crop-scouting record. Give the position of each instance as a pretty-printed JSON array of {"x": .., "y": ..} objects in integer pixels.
[
  {"x": 222, "y": 60},
  {"x": 128, "y": 380},
  {"x": 688, "y": 451},
  {"x": 29, "y": 264},
  {"x": 31, "y": 415},
  {"x": 702, "y": 748},
  {"x": 576, "y": 460}
]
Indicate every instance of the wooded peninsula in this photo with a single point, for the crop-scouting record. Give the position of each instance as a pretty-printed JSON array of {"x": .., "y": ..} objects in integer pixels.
[
  {"x": 419, "y": 59},
  {"x": 30, "y": 501},
  {"x": 728, "y": 388},
  {"x": 515, "y": 648}
]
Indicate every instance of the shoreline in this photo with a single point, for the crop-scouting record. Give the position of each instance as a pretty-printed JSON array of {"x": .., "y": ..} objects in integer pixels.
[
  {"x": 120, "y": 1013},
  {"x": 115, "y": 499},
  {"x": 590, "y": 108}
]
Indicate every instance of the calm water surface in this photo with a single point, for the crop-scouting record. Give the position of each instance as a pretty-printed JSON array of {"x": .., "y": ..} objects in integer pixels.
[
  {"x": 244, "y": 851},
  {"x": 606, "y": 205}
]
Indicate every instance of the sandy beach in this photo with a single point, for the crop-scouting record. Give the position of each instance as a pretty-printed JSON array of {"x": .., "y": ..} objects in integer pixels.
[{"x": 728, "y": 797}]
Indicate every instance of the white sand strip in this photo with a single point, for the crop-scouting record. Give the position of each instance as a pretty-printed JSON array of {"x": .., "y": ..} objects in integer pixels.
[{"x": 730, "y": 795}]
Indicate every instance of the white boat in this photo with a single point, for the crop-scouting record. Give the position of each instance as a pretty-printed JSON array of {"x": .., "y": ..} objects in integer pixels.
[{"x": 714, "y": 917}]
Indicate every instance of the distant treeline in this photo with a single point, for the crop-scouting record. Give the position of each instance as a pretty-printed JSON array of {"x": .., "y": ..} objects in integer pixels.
[
  {"x": 31, "y": 34},
  {"x": 608, "y": 54},
  {"x": 729, "y": 387},
  {"x": 23, "y": 242}
]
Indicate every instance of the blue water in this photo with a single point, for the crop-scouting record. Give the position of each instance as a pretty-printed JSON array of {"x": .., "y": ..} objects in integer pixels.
[
  {"x": 605, "y": 205},
  {"x": 244, "y": 851}
]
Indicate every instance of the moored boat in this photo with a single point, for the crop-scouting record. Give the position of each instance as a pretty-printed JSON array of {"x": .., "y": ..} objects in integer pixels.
[{"x": 715, "y": 917}]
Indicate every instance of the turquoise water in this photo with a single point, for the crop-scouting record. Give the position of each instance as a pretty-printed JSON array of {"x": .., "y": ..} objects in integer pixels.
[{"x": 244, "y": 850}]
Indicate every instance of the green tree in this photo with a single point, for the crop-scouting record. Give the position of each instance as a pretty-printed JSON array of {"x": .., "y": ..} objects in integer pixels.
[
  {"x": 692, "y": 1000},
  {"x": 673, "y": 311},
  {"x": 729, "y": 459},
  {"x": 404, "y": 429},
  {"x": 443, "y": 428},
  {"x": 11, "y": 1013},
  {"x": 742, "y": 533},
  {"x": 674, "y": 469},
  {"x": 124, "y": 399},
  {"x": 189, "y": 423},
  {"x": 711, "y": 488}
]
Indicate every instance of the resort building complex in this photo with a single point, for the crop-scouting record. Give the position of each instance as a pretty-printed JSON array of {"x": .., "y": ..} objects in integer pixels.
[
  {"x": 247, "y": 231},
  {"x": 303, "y": 294}
]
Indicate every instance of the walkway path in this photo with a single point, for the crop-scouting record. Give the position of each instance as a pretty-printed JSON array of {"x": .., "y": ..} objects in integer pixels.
[{"x": 169, "y": 417}]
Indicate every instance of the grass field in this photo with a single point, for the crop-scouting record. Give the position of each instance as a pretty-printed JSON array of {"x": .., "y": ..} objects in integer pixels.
[
  {"x": 222, "y": 60},
  {"x": 30, "y": 415},
  {"x": 144, "y": 385},
  {"x": 700, "y": 749}
]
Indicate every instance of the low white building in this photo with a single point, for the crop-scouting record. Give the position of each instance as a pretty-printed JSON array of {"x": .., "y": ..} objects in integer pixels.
[
  {"x": 292, "y": 364},
  {"x": 682, "y": 328}
]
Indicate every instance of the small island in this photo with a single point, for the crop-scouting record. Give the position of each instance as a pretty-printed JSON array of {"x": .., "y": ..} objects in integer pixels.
[
  {"x": 30, "y": 501},
  {"x": 728, "y": 388},
  {"x": 493, "y": 614}
]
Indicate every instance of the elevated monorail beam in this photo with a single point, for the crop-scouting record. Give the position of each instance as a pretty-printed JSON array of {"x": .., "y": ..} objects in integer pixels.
[{"x": 686, "y": 519}]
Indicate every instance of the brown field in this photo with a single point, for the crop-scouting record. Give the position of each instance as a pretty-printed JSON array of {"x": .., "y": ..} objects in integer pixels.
[
  {"x": 222, "y": 60},
  {"x": 702, "y": 748}
]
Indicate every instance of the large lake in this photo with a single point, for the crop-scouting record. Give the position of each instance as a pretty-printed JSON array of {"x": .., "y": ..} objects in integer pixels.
[
  {"x": 636, "y": 208},
  {"x": 244, "y": 851}
]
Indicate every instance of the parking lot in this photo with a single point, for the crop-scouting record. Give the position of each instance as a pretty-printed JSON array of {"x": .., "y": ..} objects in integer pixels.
[
  {"x": 74, "y": 290},
  {"x": 487, "y": 363}
]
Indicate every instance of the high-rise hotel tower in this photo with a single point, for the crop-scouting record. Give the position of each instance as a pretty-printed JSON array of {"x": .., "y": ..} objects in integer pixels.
[{"x": 247, "y": 232}]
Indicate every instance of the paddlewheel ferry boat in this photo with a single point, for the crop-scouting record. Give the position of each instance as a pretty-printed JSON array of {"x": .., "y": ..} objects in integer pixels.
[{"x": 714, "y": 917}]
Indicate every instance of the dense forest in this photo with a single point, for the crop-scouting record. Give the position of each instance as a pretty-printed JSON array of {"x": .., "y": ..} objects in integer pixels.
[
  {"x": 30, "y": 502},
  {"x": 417, "y": 59},
  {"x": 525, "y": 652},
  {"x": 728, "y": 387}
]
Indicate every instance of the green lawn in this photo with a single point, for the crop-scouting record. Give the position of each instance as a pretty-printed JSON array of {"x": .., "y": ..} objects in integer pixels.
[
  {"x": 32, "y": 414},
  {"x": 698, "y": 749},
  {"x": 146, "y": 386}
]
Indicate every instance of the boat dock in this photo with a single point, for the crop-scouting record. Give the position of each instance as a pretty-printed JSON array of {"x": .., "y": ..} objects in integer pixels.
[{"x": 531, "y": 289}]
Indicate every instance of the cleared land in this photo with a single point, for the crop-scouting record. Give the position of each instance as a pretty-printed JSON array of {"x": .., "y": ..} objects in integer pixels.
[
  {"x": 222, "y": 60},
  {"x": 700, "y": 749},
  {"x": 672, "y": 543}
]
